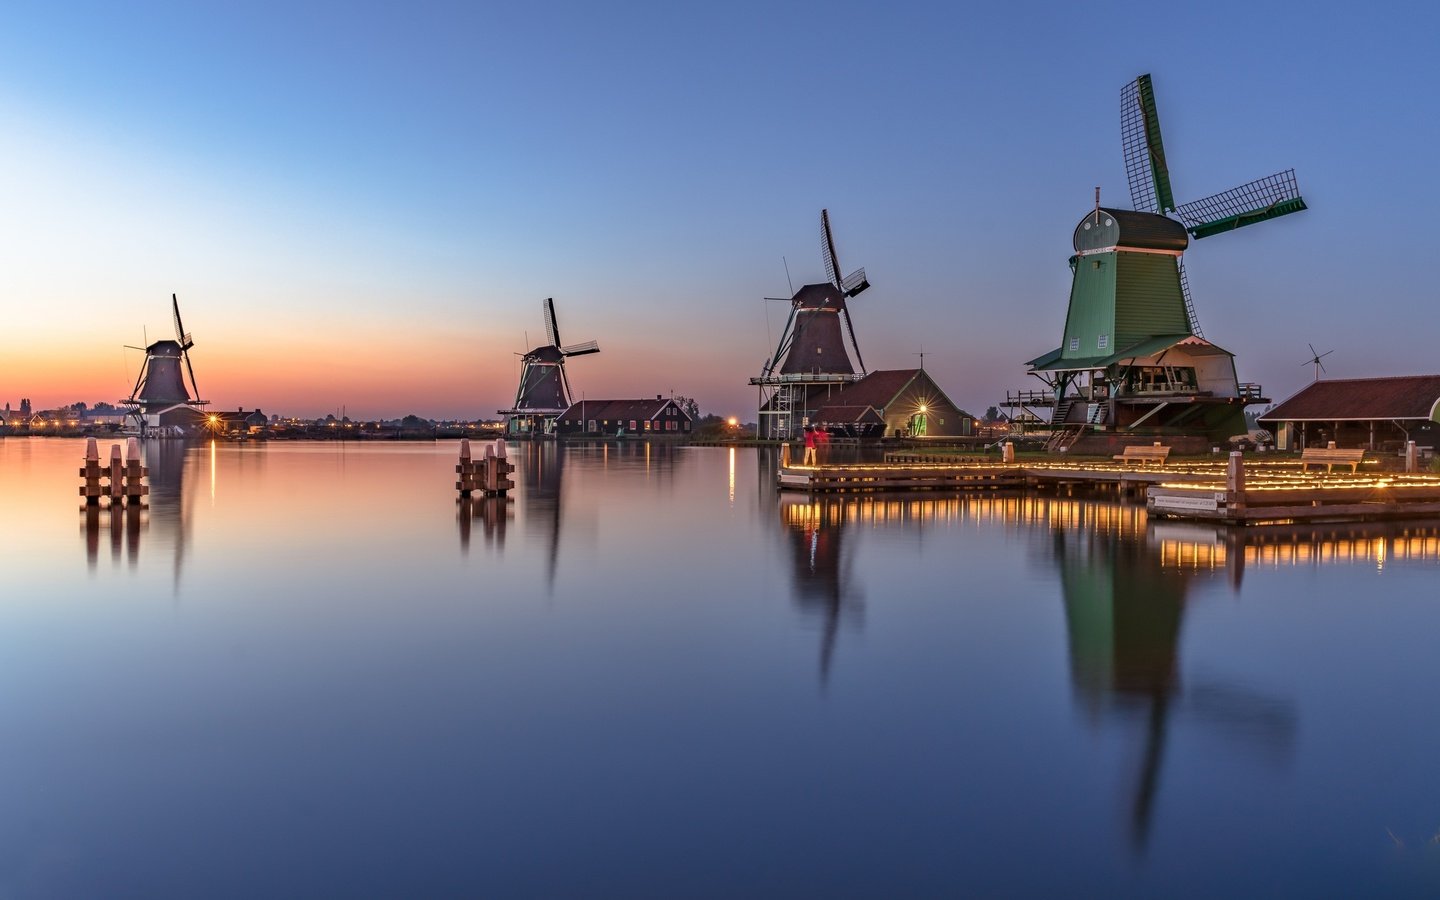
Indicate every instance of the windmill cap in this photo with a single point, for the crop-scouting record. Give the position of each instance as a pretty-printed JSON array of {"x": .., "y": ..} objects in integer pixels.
[
  {"x": 165, "y": 348},
  {"x": 1104, "y": 228}
]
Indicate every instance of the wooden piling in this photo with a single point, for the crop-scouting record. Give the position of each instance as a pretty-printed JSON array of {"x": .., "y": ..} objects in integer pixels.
[
  {"x": 135, "y": 486},
  {"x": 117, "y": 475},
  {"x": 465, "y": 468},
  {"x": 1235, "y": 483},
  {"x": 91, "y": 473}
]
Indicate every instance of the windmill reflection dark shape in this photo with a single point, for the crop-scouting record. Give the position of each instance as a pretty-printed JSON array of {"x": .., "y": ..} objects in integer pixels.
[
  {"x": 820, "y": 569},
  {"x": 811, "y": 361},
  {"x": 544, "y": 391},
  {"x": 541, "y": 466},
  {"x": 1123, "y": 610},
  {"x": 159, "y": 390}
]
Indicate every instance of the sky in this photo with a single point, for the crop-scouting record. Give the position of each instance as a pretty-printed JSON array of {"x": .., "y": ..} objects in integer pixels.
[{"x": 362, "y": 205}]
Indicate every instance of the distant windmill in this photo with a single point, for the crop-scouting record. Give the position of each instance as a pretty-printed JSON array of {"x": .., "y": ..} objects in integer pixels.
[
  {"x": 1149, "y": 177},
  {"x": 1315, "y": 360},
  {"x": 160, "y": 386},
  {"x": 812, "y": 345},
  {"x": 544, "y": 390},
  {"x": 815, "y": 313}
]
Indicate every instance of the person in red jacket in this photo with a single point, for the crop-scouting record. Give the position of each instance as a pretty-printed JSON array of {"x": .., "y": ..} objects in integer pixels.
[{"x": 809, "y": 446}]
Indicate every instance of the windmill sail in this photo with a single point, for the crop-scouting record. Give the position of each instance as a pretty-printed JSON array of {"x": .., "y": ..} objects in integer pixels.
[
  {"x": 1145, "y": 167},
  {"x": 1265, "y": 198},
  {"x": 552, "y": 328}
]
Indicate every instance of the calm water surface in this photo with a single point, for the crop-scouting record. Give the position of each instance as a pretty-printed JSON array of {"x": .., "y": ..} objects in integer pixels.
[{"x": 305, "y": 670}]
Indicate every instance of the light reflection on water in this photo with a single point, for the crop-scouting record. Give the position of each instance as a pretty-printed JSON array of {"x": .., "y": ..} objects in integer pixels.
[{"x": 648, "y": 673}]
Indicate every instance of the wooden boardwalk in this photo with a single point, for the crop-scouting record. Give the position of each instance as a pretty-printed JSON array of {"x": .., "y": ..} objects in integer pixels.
[{"x": 1201, "y": 490}]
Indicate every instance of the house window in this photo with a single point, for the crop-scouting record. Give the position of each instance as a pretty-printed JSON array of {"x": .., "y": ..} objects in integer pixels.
[
  {"x": 1104, "y": 342},
  {"x": 632, "y": 424},
  {"x": 1074, "y": 345},
  {"x": 687, "y": 425},
  {"x": 592, "y": 425},
  {"x": 647, "y": 424}
]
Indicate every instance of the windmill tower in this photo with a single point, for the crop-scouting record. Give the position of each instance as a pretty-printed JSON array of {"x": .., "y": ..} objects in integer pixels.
[
  {"x": 811, "y": 361},
  {"x": 1133, "y": 357},
  {"x": 544, "y": 391},
  {"x": 160, "y": 388}
]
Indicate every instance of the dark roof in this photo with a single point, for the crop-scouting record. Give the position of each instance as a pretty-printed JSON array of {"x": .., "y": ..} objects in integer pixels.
[
  {"x": 815, "y": 296},
  {"x": 1141, "y": 230},
  {"x": 846, "y": 414},
  {"x": 1350, "y": 399},
  {"x": 876, "y": 390},
  {"x": 619, "y": 410}
]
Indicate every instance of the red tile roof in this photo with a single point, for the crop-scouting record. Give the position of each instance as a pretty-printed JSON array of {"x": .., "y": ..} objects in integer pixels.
[
  {"x": 618, "y": 410},
  {"x": 876, "y": 389},
  {"x": 1362, "y": 399}
]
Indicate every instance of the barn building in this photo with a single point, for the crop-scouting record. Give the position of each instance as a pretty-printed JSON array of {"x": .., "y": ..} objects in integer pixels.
[
  {"x": 660, "y": 417},
  {"x": 892, "y": 403},
  {"x": 1371, "y": 413}
]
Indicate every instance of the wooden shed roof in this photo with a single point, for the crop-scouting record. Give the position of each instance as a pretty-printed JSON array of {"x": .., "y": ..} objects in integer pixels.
[{"x": 1361, "y": 399}]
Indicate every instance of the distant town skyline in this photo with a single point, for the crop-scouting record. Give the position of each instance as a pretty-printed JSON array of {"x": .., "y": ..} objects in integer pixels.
[{"x": 364, "y": 207}]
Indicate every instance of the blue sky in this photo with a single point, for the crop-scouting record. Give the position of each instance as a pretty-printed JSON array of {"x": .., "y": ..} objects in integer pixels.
[{"x": 364, "y": 204}]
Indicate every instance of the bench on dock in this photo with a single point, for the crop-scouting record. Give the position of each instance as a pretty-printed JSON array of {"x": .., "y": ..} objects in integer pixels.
[
  {"x": 1320, "y": 456},
  {"x": 1143, "y": 453}
]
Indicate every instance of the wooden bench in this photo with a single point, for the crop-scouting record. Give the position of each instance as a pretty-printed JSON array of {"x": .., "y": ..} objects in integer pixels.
[
  {"x": 1144, "y": 453},
  {"x": 1320, "y": 456}
]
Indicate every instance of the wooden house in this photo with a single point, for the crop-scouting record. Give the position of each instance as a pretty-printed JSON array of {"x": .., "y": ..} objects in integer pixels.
[
  {"x": 892, "y": 403},
  {"x": 660, "y": 417}
]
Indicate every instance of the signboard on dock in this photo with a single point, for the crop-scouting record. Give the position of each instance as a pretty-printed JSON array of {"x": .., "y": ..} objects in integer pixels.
[{"x": 1197, "y": 501}]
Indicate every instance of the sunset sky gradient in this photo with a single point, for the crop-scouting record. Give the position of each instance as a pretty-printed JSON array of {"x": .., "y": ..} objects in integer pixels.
[{"x": 363, "y": 204}]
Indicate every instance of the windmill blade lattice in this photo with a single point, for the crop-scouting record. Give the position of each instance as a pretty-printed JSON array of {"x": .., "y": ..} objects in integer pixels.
[
  {"x": 581, "y": 349},
  {"x": 827, "y": 249},
  {"x": 1189, "y": 300},
  {"x": 180, "y": 336},
  {"x": 552, "y": 328},
  {"x": 186, "y": 342},
  {"x": 1265, "y": 198},
  {"x": 1145, "y": 167}
]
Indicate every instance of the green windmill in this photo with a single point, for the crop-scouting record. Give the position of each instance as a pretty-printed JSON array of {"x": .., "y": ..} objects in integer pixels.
[{"x": 1134, "y": 362}]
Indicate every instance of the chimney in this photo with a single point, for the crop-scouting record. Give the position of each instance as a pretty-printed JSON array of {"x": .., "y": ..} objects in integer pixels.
[{"x": 659, "y": 396}]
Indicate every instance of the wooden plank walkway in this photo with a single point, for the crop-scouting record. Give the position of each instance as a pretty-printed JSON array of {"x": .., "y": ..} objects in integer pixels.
[{"x": 1202, "y": 491}]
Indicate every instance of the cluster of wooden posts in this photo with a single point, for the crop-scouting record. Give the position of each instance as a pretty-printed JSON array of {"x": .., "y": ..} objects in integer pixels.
[
  {"x": 122, "y": 481},
  {"x": 490, "y": 475}
]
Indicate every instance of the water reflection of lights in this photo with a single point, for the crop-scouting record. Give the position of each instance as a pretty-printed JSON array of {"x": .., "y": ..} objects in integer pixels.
[
  {"x": 1179, "y": 546},
  {"x": 732, "y": 476}
]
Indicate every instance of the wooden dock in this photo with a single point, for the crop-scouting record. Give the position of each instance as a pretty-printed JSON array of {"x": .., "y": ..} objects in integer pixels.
[{"x": 1229, "y": 492}]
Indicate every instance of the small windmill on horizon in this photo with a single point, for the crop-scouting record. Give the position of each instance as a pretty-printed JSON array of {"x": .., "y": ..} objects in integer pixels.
[
  {"x": 544, "y": 390},
  {"x": 160, "y": 388},
  {"x": 1315, "y": 360}
]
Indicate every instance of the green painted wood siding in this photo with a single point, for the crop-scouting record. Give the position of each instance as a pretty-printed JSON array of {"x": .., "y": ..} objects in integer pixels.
[
  {"x": 1148, "y": 301},
  {"x": 1092, "y": 307}
]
